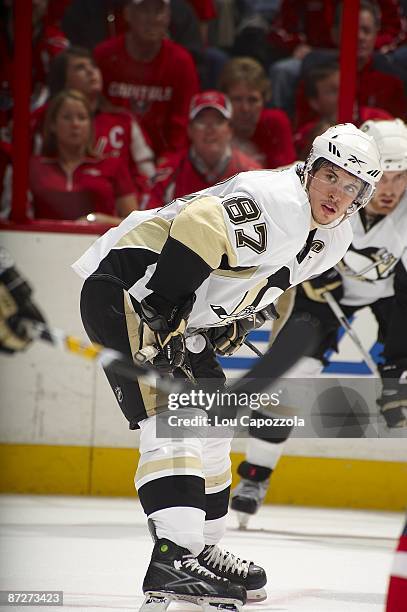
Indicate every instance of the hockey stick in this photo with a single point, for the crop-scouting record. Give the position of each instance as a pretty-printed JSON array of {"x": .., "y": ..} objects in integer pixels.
[
  {"x": 110, "y": 359},
  {"x": 272, "y": 365},
  {"x": 253, "y": 348},
  {"x": 340, "y": 315}
]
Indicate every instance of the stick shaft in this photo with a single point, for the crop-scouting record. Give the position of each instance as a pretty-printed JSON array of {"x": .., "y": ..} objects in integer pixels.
[{"x": 340, "y": 315}]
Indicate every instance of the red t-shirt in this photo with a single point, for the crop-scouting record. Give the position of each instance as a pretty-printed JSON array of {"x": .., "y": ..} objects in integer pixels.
[
  {"x": 374, "y": 88},
  {"x": 92, "y": 187},
  {"x": 273, "y": 139},
  {"x": 157, "y": 92},
  {"x": 118, "y": 134},
  {"x": 304, "y": 135},
  {"x": 183, "y": 178},
  {"x": 311, "y": 21}
]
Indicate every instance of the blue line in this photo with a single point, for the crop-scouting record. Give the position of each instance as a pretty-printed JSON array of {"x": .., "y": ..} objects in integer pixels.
[{"x": 258, "y": 335}]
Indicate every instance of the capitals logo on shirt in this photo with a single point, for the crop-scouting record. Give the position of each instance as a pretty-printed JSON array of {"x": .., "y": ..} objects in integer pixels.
[{"x": 369, "y": 264}]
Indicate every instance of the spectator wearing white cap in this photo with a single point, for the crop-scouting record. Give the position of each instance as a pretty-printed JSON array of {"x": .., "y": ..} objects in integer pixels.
[{"x": 210, "y": 157}]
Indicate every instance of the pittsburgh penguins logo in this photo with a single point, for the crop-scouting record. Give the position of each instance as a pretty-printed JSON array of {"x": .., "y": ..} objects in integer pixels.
[
  {"x": 228, "y": 318},
  {"x": 317, "y": 246},
  {"x": 368, "y": 265}
]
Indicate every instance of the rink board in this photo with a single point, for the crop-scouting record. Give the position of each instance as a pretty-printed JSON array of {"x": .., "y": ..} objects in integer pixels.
[
  {"x": 62, "y": 432},
  {"x": 298, "y": 480}
]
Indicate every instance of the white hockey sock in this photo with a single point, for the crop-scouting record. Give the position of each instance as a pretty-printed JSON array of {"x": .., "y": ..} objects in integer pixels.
[{"x": 183, "y": 526}]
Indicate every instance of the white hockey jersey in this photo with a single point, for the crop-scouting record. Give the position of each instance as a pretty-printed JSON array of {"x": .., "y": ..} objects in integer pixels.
[
  {"x": 237, "y": 245},
  {"x": 368, "y": 266}
]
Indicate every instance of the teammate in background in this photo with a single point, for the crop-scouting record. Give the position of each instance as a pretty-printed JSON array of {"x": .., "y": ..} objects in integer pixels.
[
  {"x": 263, "y": 133},
  {"x": 150, "y": 75},
  {"x": 17, "y": 309},
  {"x": 212, "y": 261},
  {"x": 372, "y": 273},
  {"x": 210, "y": 158}
]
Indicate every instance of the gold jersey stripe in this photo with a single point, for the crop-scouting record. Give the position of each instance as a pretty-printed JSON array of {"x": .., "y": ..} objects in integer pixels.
[
  {"x": 150, "y": 234},
  {"x": 248, "y": 273},
  {"x": 218, "y": 479},
  {"x": 201, "y": 227},
  {"x": 172, "y": 463}
]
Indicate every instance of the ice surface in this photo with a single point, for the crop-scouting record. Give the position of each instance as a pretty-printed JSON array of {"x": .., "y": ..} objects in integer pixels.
[{"x": 96, "y": 550}]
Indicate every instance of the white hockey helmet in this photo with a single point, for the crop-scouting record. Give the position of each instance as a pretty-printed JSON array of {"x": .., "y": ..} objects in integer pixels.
[
  {"x": 352, "y": 150},
  {"x": 390, "y": 136}
]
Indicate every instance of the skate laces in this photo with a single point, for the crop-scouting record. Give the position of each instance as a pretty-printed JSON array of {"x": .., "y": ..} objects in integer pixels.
[
  {"x": 226, "y": 560},
  {"x": 193, "y": 564}
]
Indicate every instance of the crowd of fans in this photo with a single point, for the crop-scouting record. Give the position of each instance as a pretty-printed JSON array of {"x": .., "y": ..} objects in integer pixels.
[{"x": 135, "y": 102}]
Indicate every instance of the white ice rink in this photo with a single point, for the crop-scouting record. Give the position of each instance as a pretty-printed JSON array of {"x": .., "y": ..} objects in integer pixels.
[{"x": 96, "y": 550}]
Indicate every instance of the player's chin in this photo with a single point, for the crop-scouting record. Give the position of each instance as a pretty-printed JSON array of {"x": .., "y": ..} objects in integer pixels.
[{"x": 326, "y": 214}]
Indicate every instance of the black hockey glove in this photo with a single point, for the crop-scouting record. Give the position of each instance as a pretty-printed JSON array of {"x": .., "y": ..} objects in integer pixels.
[
  {"x": 330, "y": 280},
  {"x": 17, "y": 310},
  {"x": 393, "y": 401},
  {"x": 229, "y": 338},
  {"x": 163, "y": 326}
]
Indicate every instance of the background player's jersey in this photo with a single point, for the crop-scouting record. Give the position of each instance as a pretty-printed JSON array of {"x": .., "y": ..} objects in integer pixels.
[
  {"x": 368, "y": 266},
  {"x": 237, "y": 246}
]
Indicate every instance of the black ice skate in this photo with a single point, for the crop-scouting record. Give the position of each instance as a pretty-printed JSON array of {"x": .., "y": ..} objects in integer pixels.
[
  {"x": 248, "y": 496},
  {"x": 174, "y": 574},
  {"x": 237, "y": 570}
]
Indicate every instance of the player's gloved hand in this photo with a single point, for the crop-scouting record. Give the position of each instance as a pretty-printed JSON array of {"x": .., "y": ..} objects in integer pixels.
[
  {"x": 17, "y": 310},
  {"x": 229, "y": 338},
  {"x": 163, "y": 326},
  {"x": 330, "y": 281},
  {"x": 393, "y": 401}
]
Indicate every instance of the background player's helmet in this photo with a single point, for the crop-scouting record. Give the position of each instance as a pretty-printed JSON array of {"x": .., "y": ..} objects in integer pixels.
[
  {"x": 353, "y": 150},
  {"x": 391, "y": 139}
]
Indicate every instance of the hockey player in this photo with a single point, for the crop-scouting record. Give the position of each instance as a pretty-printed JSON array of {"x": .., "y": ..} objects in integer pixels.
[
  {"x": 373, "y": 272},
  {"x": 17, "y": 309},
  {"x": 213, "y": 260}
]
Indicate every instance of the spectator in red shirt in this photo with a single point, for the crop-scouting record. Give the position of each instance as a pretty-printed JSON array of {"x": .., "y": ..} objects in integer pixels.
[
  {"x": 152, "y": 76},
  {"x": 69, "y": 181},
  {"x": 117, "y": 133},
  {"x": 322, "y": 92},
  {"x": 263, "y": 133},
  {"x": 374, "y": 88},
  {"x": 211, "y": 157},
  {"x": 304, "y": 25}
]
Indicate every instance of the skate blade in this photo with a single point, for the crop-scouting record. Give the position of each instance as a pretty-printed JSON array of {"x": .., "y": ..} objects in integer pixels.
[
  {"x": 220, "y": 603},
  {"x": 257, "y": 595},
  {"x": 156, "y": 602},
  {"x": 243, "y": 520}
]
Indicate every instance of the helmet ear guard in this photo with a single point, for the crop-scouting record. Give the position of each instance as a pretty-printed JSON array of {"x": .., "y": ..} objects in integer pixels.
[{"x": 354, "y": 151}]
